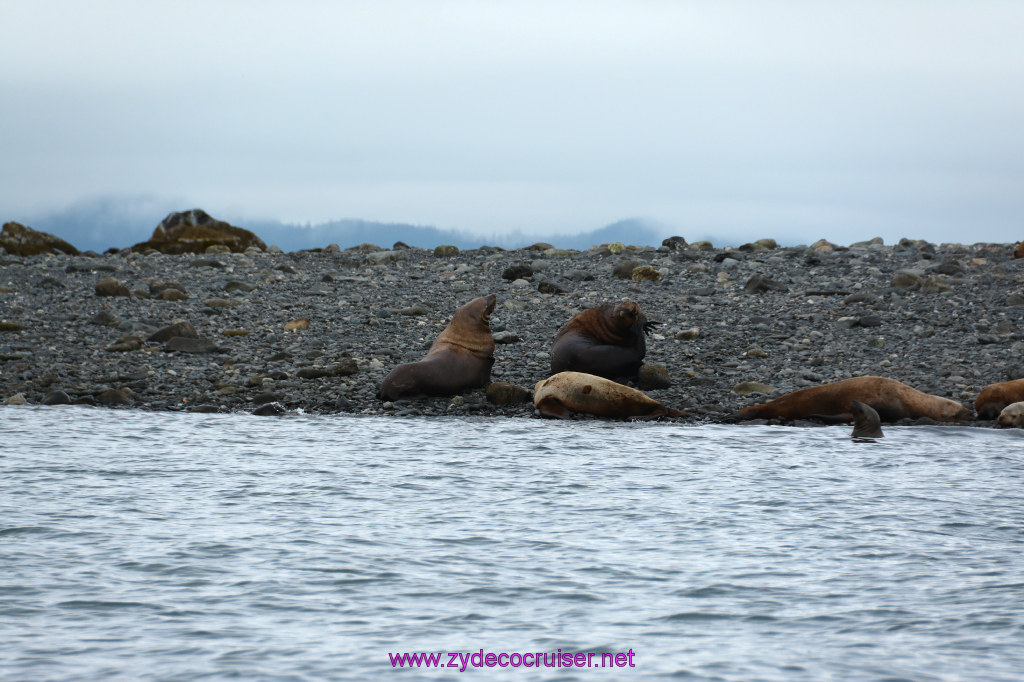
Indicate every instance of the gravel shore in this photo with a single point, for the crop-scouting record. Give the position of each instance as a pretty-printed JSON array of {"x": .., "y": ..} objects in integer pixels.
[{"x": 946, "y": 319}]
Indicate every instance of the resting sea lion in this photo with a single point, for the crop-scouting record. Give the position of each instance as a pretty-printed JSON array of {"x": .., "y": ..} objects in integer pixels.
[
  {"x": 890, "y": 398},
  {"x": 866, "y": 423},
  {"x": 460, "y": 357},
  {"x": 1012, "y": 415},
  {"x": 608, "y": 341},
  {"x": 994, "y": 397},
  {"x": 579, "y": 392}
]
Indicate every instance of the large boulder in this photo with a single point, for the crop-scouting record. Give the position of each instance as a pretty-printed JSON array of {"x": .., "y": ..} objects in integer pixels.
[
  {"x": 24, "y": 241},
  {"x": 194, "y": 231}
]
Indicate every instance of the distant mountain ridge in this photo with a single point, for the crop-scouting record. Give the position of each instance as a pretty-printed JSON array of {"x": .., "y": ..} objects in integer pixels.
[{"x": 99, "y": 224}]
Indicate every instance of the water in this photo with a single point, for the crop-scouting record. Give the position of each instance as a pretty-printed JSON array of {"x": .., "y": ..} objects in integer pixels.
[{"x": 183, "y": 546}]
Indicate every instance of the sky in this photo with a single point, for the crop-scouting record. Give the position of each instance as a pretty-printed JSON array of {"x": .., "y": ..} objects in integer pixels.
[{"x": 736, "y": 119}]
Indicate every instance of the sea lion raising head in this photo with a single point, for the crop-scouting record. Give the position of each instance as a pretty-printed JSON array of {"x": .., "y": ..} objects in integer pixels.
[
  {"x": 891, "y": 399},
  {"x": 607, "y": 341},
  {"x": 460, "y": 357},
  {"x": 866, "y": 423}
]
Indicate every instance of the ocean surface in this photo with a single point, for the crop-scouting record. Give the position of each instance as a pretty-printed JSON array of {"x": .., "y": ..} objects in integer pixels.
[{"x": 167, "y": 546}]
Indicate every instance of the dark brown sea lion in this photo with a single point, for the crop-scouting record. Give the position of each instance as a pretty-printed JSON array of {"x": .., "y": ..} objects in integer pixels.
[
  {"x": 994, "y": 397},
  {"x": 459, "y": 359},
  {"x": 890, "y": 398},
  {"x": 866, "y": 423},
  {"x": 567, "y": 392},
  {"x": 608, "y": 341}
]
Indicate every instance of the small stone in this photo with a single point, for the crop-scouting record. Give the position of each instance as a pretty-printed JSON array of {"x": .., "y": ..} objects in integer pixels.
[
  {"x": 446, "y": 251},
  {"x": 755, "y": 353},
  {"x": 57, "y": 398},
  {"x": 296, "y": 324},
  {"x": 266, "y": 397},
  {"x": 109, "y": 286},
  {"x": 16, "y": 399},
  {"x": 126, "y": 343},
  {"x": 935, "y": 284},
  {"x": 157, "y": 287},
  {"x": 11, "y": 326},
  {"x": 187, "y": 345},
  {"x": 688, "y": 334},
  {"x": 180, "y": 328},
  {"x": 748, "y": 387},
  {"x": 507, "y": 337},
  {"x": 674, "y": 243},
  {"x": 759, "y": 284},
  {"x": 218, "y": 248},
  {"x": 346, "y": 367},
  {"x": 549, "y": 287},
  {"x": 114, "y": 396},
  {"x": 847, "y": 322},
  {"x": 521, "y": 271},
  {"x": 876, "y": 342},
  {"x": 226, "y": 390},
  {"x": 171, "y": 295},
  {"x": 645, "y": 273},
  {"x": 652, "y": 377},
  {"x": 624, "y": 270},
  {"x": 702, "y": 245},
  {"x": 236, "y": 332},
  {"x": 313, "y": 373},
  {"x": 274, "y": 409},
  {"x": 906, "y": 280},
  {"x": 239, "y": 285},
  {"x": 504, "y": 393},
  {"x": 870, "y": 321}
]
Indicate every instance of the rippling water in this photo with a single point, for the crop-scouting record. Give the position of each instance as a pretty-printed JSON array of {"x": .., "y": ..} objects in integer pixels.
[{"x": 187, "y": 546}]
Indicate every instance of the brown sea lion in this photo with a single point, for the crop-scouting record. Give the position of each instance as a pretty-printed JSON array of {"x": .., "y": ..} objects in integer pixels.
[
  {"x": 567, "y": 392},
  {"x": 608, "y": 341},
  {"x": 890, "y": 398},
  {"x": 994, "y": 397},
  {"x": 1012, "y": 415},
  {"x": 866, "y": 423},
  {"x": 459, "y": 359}
]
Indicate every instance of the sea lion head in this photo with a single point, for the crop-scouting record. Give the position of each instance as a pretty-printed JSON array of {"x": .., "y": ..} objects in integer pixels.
[
  {"x": 866, "y": 423},
  {"x": 625, "y": 314},
  {"x": 470, "y": 328}
]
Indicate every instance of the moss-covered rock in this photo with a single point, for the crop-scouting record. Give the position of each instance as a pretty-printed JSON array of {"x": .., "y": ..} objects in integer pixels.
[
  {"x": 195, "y": 232},
  {"x": 19, "y": 240}
]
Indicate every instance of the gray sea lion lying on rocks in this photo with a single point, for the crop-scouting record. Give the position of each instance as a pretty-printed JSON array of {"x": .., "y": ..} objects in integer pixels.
[{"x": 567, "y": 392}]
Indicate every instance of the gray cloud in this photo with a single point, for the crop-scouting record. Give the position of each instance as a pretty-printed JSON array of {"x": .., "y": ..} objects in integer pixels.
[{"x": 741, "y": 119}]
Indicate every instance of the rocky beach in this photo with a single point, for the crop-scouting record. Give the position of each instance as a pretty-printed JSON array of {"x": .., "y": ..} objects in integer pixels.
[{"x": 233, "y": 329}]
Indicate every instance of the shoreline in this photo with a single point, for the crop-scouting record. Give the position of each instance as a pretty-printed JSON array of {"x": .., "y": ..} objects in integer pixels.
[{"x": 945, "y": 319}]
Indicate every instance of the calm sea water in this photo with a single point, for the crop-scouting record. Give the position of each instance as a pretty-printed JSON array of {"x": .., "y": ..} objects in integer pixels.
[{"x": 183, "y": 546}]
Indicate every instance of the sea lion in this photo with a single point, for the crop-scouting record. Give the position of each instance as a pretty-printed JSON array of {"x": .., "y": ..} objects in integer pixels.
[
  {"x": 994, "y": 397},
  {"x": 1012, "y": 415},
  {"x": 890, "y": 398},
  {"x": 608, "y": 341},
  {"x": 866, "y": 423},
  {"x": 460, "y": 358},
  {"x": 578, "y": 392}
]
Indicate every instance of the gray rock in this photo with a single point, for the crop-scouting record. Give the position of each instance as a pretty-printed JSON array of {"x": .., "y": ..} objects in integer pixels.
[{"x": 181, "y": 344}]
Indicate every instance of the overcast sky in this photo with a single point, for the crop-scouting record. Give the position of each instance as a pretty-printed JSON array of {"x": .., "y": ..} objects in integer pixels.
[{"x": 796, "y": 120}]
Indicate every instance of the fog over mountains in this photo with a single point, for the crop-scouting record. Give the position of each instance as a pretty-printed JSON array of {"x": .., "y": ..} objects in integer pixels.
[{"x": 101, "y": 223}]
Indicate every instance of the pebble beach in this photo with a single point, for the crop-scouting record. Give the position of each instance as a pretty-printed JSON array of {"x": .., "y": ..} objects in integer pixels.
[{"x": 317, "y": 331}]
